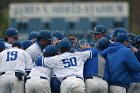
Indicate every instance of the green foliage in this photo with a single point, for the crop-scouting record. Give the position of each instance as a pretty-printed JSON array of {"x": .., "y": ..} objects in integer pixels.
[{"x": 3, "y": 22}]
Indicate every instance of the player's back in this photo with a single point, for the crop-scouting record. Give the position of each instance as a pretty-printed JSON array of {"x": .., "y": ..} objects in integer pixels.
[
  {"x": 68, "y": 64},
  {"x": 13, "y": 59}
]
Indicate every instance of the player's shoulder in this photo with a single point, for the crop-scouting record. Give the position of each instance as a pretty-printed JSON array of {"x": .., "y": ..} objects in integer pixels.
[
  {"x": 56, "y": 57},
  {"x": 125, "y": 49},
  {"x": 31, "y": 47},
  {"x": 3, "y": 52}
]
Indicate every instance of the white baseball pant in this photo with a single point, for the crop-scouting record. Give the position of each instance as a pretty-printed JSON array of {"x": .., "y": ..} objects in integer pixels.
[
  {"x": 9, "y": 83},
  {"x": 96, "y": 85},
  {"x": 116, "y": 89},
  {"x": 72, "y": 84},
  {"x": 37, "y": 85},
  {"x": 134, "y": 88}
]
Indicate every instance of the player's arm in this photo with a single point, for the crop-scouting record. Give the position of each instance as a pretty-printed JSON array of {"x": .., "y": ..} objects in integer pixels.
[
  {"x": 93, "y": 50},
  {"x": 50, "y": 61},
  {"x": 105, "y": 52},
  {"x": 89, "y": 53},
  {"x": 132, "y": 61},
  {"x": 33, "y": 54}
]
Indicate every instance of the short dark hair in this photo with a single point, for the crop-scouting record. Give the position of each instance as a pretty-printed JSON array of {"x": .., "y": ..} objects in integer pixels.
[
  {"x": 5, "y": 39},
  {"x": 46, "y": 55},
  {"x": 1, "y": 50}
]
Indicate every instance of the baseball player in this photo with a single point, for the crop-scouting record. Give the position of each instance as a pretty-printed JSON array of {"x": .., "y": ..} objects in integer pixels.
[
  {"x": 120, "y": 63},
  {"x": 117, "y": 31},
  {"x": 135, "y": 85},
  {"x": 58, "y": 35},
  {"x": 33, "y": 36},
  {"x": 55, "y": 83},
  {"x": 68, "y": 67},
  {"x": 131, "y": 37},
  {"x": 101, "y": 45},
  {"x": 11, "y": 36},
  {"x": 99, "y": 31},
  {"x": 93, "y": 82},
  {"x": 74, "y": 40},
  {"x": 36, "y": 50},
  {"x": 13, "y": 64},
  {"x": 39, "y": 77}
]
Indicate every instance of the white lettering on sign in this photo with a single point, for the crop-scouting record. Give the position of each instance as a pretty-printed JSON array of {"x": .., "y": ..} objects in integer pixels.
[{"x": 96, "y": 9}]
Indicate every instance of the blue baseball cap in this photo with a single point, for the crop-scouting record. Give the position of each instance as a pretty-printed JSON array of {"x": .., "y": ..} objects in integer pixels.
[
  {"x": 2, "y": 45},
  {"x": 17, "y": 44},
  {"x": 102, "y": 43},
  {"x": 122, "y": 37},
  {"x": 54, "y": 38},
  {"x": 118, "y": 31},
  {"x": 92, "y": 44},
  {"x": 109, "y": 36},
  {"x": 82, "y": 42},
  {"x": 26, "y": 44},
  {"x": 11, "y": 32},
  {"x": 65, "y": 43},
  {"x": 45, "y": 34},
  {"x": 50, "y": 50},
  {"x": 58, "y": 35},
  {"x": 137, "y": 39},
  {"x": 32, "y": 35},
  {"x": 99, "y": 29},
  {"x": 131, "y": 37}
]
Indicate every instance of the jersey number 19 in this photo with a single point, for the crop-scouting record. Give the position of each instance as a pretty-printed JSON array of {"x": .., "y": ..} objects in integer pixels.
[{"x": 12, "y": 55}]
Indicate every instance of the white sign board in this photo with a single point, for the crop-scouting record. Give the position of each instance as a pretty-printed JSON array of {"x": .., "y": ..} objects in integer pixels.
[{"x": 90, "y": 9}]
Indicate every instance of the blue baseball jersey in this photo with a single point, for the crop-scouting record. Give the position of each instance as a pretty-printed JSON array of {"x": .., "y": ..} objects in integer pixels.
[{"x": 91, "y": 65}]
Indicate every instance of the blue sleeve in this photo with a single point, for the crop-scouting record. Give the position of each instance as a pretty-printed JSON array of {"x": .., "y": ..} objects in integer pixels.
[
  {"x": 132, "y": 61},
  {"x": 105, "y": 52},
  {"x": 93, "y": 50},
  {"x": 39, "y": 62}
]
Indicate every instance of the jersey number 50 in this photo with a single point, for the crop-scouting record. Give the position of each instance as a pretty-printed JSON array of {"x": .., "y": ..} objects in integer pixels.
[
  {"x": 11, "y": 56},
  {"x": 69, "y": 62}
]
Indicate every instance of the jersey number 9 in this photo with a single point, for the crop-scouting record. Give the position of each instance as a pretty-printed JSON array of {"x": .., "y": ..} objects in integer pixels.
[{"x": 69, "y": 62}]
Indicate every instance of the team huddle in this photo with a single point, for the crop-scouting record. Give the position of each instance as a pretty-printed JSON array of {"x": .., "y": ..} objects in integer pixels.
[{"x": 52, "y": 63}]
